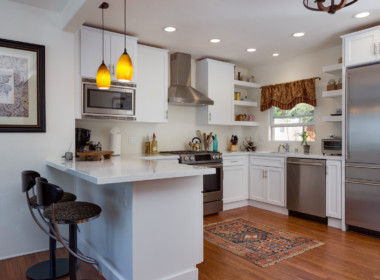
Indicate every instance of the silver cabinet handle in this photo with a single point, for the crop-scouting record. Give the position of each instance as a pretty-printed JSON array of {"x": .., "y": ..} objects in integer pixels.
[
  {"x": 167, "y": 114},
  {"x": 113, "y": 69},
  {"x": 263, "y": 173},
  {"x": 374, "y": 49},
  {"x": 305, "y": 163},
  {"x": 362, "y": 183},
  {"x": 362, "y": 166},
  {"x": 209, "y": 116}
]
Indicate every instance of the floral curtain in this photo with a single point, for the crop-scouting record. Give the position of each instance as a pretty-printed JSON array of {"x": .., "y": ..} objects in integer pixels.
[{"x": 287, "y": 95}]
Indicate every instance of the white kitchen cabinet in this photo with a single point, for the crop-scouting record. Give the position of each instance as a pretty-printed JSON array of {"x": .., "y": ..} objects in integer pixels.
[
  {"x": 152, "y": 85},
  {"x": 215, "y": 79},
  {"x": 267, "y": 180},
  {"x": 91, "y": 51},
  {"x": 333, "y": 189},
  {"x": 362, "y": 47},
  {"x": 235, "y": 181}
]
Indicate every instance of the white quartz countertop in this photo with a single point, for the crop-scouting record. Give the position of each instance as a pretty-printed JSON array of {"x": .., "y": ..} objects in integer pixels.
[{"x": 126, "y": 169}]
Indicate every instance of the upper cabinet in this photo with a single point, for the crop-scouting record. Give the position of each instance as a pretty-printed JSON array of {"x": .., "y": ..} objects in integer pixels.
[
  {"x": 215, "y": 79},
  {"x": 362, "y": 47},
  {"x": 91, "y": 51},
  {"x": 152, "y": 85}
]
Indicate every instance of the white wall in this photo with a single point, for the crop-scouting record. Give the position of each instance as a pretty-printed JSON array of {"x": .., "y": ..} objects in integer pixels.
[
  {"x": 21, "y": 151},
  {"x": 297, "y": 68}
]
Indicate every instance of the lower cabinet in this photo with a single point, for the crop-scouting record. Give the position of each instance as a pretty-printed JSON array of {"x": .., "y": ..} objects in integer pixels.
[
  {"x": 334, "y": 189},
  {"x": 235, "y": 181},
  {"x": 267, "y": 180}
]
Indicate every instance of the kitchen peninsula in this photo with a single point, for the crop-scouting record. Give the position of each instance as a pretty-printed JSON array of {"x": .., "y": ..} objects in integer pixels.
[{"x": 151, "y": 225}]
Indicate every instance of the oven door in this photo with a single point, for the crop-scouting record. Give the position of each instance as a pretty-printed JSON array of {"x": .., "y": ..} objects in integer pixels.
[{"x": 213, "y": 183}]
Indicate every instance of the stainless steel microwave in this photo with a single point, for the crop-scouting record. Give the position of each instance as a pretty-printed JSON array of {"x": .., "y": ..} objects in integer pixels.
[
  {"x": 117, "y": 102},
  {"x": 332, "y": 146}
]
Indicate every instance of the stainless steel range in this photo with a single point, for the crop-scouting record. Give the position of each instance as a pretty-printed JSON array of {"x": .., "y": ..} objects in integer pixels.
[{"x": 212, "y": 183}]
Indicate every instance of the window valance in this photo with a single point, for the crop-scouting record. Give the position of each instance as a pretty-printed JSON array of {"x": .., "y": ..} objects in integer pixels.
[{"x": 285, "y": 96}]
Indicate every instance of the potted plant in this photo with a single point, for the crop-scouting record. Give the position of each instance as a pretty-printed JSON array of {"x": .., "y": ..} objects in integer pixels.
[{"x": 306, "y": 147}]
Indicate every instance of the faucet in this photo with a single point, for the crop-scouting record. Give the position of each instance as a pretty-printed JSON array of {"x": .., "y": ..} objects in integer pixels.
[{"x": 286, "y": 147}]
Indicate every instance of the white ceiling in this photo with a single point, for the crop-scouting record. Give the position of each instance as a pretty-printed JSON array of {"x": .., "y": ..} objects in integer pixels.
[{"x": 266, "y": 25}]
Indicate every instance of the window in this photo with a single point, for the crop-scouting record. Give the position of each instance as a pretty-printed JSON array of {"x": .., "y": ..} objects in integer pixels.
[{"x": 286, "y": 125}]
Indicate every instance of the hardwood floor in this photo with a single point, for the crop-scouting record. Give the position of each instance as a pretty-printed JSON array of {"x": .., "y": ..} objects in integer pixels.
[
  {"x": 345, "y": 255},
  {"x": 15, "y": 268}
]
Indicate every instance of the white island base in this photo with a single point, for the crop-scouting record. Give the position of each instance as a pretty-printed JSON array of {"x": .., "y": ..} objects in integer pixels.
[
  {"x": 151, "y": 224},
  {"x": 147, "y": 229}
]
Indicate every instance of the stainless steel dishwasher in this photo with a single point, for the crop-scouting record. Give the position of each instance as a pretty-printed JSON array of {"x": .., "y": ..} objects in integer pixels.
[{"x": 306, "y": 186}]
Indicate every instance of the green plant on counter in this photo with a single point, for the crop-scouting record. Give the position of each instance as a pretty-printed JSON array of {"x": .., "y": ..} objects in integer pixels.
[{"x": 304, "y": 137}]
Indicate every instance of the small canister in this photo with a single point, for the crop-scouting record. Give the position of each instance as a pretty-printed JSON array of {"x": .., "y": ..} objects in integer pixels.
[{"x": 237, "y": 95}]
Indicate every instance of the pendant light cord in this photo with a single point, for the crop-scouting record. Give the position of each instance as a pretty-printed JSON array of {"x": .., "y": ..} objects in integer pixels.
[
  {"x": 125, "y": 26},
  {"x": 103, "y": 35}
]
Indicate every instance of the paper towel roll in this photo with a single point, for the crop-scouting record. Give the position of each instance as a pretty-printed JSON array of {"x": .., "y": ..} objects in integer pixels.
[{"x": 115, "y": 144}]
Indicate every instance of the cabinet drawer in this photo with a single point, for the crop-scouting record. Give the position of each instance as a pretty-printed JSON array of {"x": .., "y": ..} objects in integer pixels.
[
  {"x": 234, "y": 160},
  {"x": 268, "y": 161}
]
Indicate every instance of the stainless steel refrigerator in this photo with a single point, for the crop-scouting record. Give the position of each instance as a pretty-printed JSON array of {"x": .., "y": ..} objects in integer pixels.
[{"x": 363, "y": 147}]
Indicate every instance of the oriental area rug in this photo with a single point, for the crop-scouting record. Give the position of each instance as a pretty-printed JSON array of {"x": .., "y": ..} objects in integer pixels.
[{"x": 257, "y": 243}]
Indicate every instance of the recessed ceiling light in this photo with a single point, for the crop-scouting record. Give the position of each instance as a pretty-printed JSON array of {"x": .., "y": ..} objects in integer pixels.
[
  {"x": 215, "y": 41},
  {"x": 170, "y": 29},
  {"x": 251, "y": 50},
  {"x": 361, "y": 15},
  {"x": 298, "y": 34},
  {"x": 276, "y": 54}
]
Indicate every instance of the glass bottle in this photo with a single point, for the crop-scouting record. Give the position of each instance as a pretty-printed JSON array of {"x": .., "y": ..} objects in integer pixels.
[{"x": 215, "y": 144}]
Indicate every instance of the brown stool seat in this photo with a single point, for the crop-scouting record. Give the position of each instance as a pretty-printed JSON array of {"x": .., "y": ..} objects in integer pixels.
[
  {"x": 73, "y": 212},
  {"x": 65, "y": 198}
]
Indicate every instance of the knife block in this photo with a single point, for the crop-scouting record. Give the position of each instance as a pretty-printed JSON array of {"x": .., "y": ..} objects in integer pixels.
[{"x": 232, "y": 148}]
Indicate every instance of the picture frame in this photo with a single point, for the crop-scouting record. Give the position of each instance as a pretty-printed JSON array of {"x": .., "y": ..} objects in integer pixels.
[{"x": 22, "y": 87}]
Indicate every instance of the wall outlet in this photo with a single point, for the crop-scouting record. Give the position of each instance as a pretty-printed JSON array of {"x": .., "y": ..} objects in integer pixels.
[
  {"x": 261, "y": 138},
  {"x": 131, "y": 139}
]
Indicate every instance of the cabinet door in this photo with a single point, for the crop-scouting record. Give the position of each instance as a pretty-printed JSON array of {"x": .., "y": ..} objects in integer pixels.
[
  {"x": 152, "y": 89},
  {"x": 235, "y": 183},
  {"x": 275, "y": 184},
  {"x": 361, "y": 48},
  {"x": 257, "y": 183},
  {"x": 221, "y": 90},
  {"x": 117, "y": 49},
  {"x": 91, "y": 51},
  {"x": 333, "y": 189}
]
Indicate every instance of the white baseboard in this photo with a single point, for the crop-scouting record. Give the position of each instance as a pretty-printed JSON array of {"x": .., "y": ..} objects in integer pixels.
[
  {"x": 269, "y": 207},
  {"x": 236, "y": 204},
  {"x": 186, "y": 275},
  {"x": 335, "y": 223}
]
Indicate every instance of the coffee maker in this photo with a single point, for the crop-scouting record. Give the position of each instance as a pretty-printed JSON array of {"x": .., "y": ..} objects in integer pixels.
[{"x": 82, "y": 140}]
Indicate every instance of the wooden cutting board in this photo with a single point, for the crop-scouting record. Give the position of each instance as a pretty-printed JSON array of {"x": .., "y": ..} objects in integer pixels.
[{"x": 94, "y": 155}]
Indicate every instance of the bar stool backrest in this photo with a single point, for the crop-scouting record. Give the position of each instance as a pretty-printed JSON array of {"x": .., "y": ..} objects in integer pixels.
[
  {"x": 47, "y": 193},
  {"x": 28, "y": 178}
]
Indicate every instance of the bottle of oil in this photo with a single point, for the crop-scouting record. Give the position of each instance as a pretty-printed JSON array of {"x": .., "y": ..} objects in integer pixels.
[{"x": 154, "y": 145}]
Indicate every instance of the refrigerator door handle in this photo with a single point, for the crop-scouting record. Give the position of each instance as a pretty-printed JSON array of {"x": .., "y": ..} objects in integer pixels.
[
  {"x": 362, "y": 166},
  {"x": 363, "y": 183}
]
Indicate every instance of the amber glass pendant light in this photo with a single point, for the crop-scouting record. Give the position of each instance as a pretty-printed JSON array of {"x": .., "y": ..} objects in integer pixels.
[
  {"x": 103, "y": 77},
  {"x": 124, "y": 67}
]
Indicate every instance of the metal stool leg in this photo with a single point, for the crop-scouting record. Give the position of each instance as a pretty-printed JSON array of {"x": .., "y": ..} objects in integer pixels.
[
  {"x": 73, "y": 247},
  {"x": 51, "y": 269}
]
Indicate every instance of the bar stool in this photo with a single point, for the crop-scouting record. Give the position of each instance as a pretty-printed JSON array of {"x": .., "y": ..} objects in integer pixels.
[
  {"x": 53, "y": 268},
  {"x": 71, "y": 213}
]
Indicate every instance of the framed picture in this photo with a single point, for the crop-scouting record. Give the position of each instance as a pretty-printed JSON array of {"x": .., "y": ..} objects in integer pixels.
[{"x": 22, "y": 87}]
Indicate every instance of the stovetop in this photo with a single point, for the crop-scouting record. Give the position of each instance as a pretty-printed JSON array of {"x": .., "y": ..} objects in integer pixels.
[{"x": 196, "y": 157}]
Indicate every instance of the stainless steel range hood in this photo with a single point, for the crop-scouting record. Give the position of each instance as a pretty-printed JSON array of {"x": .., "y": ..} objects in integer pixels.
[{"x": 180, "y": 90}]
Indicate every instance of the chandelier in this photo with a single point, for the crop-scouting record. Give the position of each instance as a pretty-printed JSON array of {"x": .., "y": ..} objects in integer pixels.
[{"x": 321, "y": 6}]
